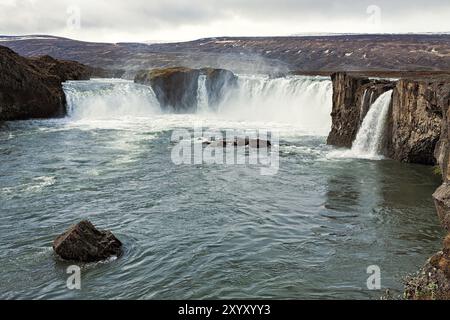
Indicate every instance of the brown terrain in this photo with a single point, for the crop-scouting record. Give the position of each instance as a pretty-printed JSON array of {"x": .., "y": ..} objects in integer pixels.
[{"x": 384, "y": 54}]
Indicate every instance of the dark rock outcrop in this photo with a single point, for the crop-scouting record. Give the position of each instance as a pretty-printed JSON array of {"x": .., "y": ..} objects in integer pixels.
[
  {"x": 415, "y": 122},
  {"x": 175, "y": 88},
  {"x": 352, "y": 98},
  {"x": 433, "y": 280},
  {"x": 84, "y": 243},
  {"x": 240, "y": 142},
  {"x": 417, "y": 132},
  {"x": 31, "y": 88}
]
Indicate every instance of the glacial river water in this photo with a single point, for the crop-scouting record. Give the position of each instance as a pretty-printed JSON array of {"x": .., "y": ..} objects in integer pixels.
[{"x": 208, "y": 230}]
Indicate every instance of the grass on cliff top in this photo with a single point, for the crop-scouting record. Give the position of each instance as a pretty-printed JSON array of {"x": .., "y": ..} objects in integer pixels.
[{"x": 163, "y": 72}]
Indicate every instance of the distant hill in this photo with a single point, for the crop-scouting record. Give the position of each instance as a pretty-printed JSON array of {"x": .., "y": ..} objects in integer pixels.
[{"x": 370, "y": 52}]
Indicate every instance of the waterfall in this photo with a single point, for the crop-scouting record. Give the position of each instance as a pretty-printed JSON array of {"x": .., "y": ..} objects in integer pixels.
[
  {"x": 299, "y": 101},
  {"x": 109, "y": 99},
  {"x": 202, "y": 95},
  {"x": 368, "y": 142},
  {"x": 361, "y": 108}
]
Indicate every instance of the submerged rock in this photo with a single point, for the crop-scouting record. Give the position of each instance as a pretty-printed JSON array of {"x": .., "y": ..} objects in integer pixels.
[
  {"x": 84, "y": 243},
  {"x": 240, "y": 142}
]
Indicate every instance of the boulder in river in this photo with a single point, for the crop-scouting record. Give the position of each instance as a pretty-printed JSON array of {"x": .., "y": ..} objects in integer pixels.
[{"x": 84, "y": 243}]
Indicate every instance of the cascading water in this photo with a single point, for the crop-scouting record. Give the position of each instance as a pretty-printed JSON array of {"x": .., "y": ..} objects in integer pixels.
[
  {"x": 109, "y": 99},
  {"x": 370, "y": 135},
  {"x": 299, "y": 101},
  {"x": 202, "y": 95}
]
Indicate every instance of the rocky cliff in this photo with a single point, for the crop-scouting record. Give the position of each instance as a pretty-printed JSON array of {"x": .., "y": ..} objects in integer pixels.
[
  {"x": 352, "y": 97},
  {"x": 417, "y": 132},
  {"x": 415, "y": 121},
  {"x": 31, "y": 87},
  {"x": 176, "y": 88}
]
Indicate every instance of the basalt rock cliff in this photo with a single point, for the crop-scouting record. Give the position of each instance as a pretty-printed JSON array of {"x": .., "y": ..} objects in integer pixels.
[
  {"x": 352, "y": 97},
  {"x": 414, "y": 121},
  {"x": 417, "y": 131},
  {"x": 31, "y": 87},
  {"x": 176, "y": 88}
]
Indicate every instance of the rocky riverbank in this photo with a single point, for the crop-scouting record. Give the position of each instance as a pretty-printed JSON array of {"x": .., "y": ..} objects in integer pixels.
[
  {"x": 32, "y": 87},
  {"x": 417, "y": 131}
]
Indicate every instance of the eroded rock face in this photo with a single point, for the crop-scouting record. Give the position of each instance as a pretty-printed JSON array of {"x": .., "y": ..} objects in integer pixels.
[
  {"x": 442, "y": 202},
  {"x": 415, "y": 122},
  {"x": 175, "y": 88},
  {"x": 31, "y": 88},
  {"x": 352, "y": 98},
  {"x": 433, "y": 280},
  {"x": 84, "y": 243}
]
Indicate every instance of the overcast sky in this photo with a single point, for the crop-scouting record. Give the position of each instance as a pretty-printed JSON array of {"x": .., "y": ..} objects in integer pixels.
[{"x": 147, "y": 20}]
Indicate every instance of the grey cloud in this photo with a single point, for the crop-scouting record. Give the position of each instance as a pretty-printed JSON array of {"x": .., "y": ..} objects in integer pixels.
[{"x": 141, "y": 17}]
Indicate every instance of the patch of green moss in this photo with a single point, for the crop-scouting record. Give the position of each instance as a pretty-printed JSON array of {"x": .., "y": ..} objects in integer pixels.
[
  {"x": 437, "y": 170},
  {"x": 164, "y": 72}
]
